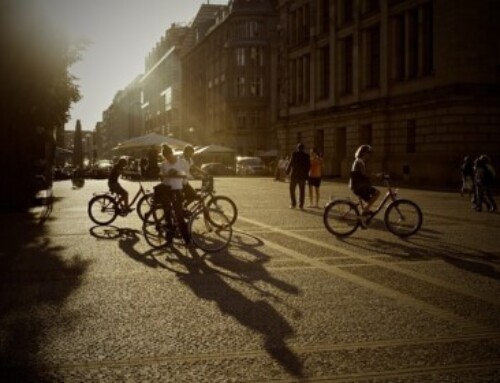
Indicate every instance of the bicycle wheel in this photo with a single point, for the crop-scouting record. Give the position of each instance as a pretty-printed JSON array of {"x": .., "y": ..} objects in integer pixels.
[
  {"x": 102, "y": 209},
  {"x": 208, "y": 236},
  {"x": 341, "y": 218},
  {"x": 144, "y": 205},
  {"x": 403, "y": 218},
  {"x": 154, "y": 227},
  {"x": 225, "y": 205}
]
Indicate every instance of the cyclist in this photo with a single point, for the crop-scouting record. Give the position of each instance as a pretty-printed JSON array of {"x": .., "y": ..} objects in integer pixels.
[
  {"x": 115, "y": 186},
  {"x": 189, "y": 193},
  {"x": 173, "y": 172},
  {"x": 360, "y": 180}
]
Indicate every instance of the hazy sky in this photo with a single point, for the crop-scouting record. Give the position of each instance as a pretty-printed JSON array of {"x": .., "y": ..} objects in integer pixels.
[{"x": 122, "y": 33}]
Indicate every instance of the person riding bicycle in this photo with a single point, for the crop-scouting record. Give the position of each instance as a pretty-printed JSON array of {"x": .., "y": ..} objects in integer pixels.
[
  {"x": 190, "y": 194},
  {"x": 173, "y": 172},
  {"x": 115, "y": 186},
  {"x": 360, "y": 180}
]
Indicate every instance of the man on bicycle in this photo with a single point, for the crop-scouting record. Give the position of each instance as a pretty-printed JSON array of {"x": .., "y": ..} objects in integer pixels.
[
  {"x": 173, "y": 172},
  {"x": 189, "y": 193},
  {"x": 115, "y": 186}
]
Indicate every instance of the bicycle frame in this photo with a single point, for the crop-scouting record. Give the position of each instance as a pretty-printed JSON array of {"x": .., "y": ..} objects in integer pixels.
[
  {"x": 389, "y": 195},
  {"x": 140, "y": 192}
]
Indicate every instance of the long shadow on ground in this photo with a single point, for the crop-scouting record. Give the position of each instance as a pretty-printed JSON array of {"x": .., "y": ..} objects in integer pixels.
[{"x": 35, "y": 280}]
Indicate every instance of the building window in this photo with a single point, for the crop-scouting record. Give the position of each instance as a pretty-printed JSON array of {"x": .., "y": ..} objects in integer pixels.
[
  {"x": 240, "y": 86},
  {"x": 240, "y": 56},
  {"x": 428, "y": 37},
  {"x": 324, "y": 21},
  {"x": 413, "y": 43},
  {"x": 346, "y": 12},
  {"x": 399, "y": 47},
  {"x": 411, "y": 136},
  {"x": 257, "y": 56},
  {"x": 324, "y": 73},
  {"x": 299, "y": 25},
  {"x": 241, "y": 121},
  {"x": 347, "y": 65},
  {"x": 319, "y": 140},
  {"x": 256, "y": 87},
  {"x": 370, "y": 6},
  {"x": 365, "y": 134},
  {"x": 373, "y": 57}
]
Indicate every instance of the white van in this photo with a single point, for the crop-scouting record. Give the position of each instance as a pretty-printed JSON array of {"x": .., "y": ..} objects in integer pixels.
[{"x": 250, "y": 166}]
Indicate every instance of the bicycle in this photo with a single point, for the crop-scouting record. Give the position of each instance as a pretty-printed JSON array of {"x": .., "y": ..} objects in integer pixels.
[
  {"x": 209, "y": 229},
  {"x": 402, "y": 217},
  {"x": 206, "y": 192},
  {"x": 218, "y": 202},
  {"x": 103, "y": 208}
]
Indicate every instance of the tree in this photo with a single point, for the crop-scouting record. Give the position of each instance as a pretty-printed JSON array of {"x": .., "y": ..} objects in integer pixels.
[
  {"x": 77, "y": 148},
  {"x": 36, "y": 94}
]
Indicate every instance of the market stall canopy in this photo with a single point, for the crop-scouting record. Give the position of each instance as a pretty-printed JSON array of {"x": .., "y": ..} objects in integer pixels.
[
  {"x": 213, "y": 149},
  {"x": 151, "y": 139},
  {"x": 267, "y": 153},
  {"x": 61, "y": 152}
]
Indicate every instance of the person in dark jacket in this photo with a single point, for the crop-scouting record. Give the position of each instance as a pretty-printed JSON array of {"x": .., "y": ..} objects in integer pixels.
[{"x": 298, "y": 169}]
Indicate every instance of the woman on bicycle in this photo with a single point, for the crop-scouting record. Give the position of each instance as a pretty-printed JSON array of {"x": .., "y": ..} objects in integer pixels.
[
  {"x": 173, "y": 171},
  {"x": 360, "y": 180}
]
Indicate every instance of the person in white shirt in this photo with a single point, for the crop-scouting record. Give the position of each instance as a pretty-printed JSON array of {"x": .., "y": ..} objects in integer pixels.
[
  {"x": 187, "y": 155},
  {"x": 173, "y": 172}
]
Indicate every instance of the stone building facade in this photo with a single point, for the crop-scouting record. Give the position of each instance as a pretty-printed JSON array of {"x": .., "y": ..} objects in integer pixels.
[
  {"x": 161, "y": 84},
  {"x": 419, "y": 80},
  {"x": 227, "y": 84},
  {"x": 120, "y": 121}
]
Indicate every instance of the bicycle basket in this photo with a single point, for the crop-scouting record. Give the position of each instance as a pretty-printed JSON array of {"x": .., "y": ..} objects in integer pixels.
[{"x": 207, "y": 184}]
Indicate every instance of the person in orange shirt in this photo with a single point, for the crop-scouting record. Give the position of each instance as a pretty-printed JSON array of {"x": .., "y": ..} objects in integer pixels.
[{"x": 314, "y": 180}]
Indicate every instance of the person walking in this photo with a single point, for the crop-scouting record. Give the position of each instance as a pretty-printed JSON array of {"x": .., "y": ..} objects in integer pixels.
[
  {"x": 298, "y": 169},
  {"x": 484, "y": 179},
  {"x": 467, "y": 172},
  {"x": 314, "y": 179}
]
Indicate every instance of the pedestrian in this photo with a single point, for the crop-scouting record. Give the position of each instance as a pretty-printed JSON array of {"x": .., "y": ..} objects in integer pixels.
[
  {"x": 314, "y": 179},
  {"x": 284, "y": 165},
  {"x": 153, "y": 168},
  {"x": 298, "y": 169},
  {"x": 484, "y": 175},
  {"x": 467, "y": 173},
  {"x": 280, "y": 169}
]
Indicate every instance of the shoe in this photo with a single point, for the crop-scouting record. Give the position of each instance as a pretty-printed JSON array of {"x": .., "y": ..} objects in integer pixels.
[
  {"x": 292, "y": 206},
  {"x": 492, "y": 209},
  {"x": 301, "y": 207}
]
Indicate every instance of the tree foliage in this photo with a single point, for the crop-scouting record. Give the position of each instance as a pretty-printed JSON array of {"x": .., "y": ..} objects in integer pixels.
[{"x": 36, "y": 93}]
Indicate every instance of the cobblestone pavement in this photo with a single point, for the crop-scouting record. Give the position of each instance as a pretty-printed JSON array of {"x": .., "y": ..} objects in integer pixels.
[{"x": 285, "y": 302}]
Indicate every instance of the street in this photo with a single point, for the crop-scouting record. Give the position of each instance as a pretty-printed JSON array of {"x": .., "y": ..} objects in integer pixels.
[{"x": 286, "y": 302}]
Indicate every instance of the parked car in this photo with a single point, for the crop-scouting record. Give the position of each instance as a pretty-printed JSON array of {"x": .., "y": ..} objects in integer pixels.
[
  {"x": 250, "y": 166},
  {"x": 217, "y": 169},
  {"x": 102, "y": 168}
]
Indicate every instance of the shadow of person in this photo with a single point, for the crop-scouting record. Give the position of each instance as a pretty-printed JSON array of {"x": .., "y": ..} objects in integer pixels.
[
  {"x": 258, "y": 316},
  {"x": 252, "y": 268}
]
